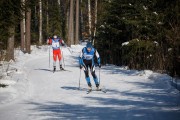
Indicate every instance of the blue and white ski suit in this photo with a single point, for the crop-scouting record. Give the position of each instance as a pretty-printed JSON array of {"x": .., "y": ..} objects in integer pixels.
[{"x": 87, "y": 61}]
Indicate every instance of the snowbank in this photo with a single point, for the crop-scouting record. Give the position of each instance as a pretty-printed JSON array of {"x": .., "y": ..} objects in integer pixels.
[{"x": 35, "y": 93}]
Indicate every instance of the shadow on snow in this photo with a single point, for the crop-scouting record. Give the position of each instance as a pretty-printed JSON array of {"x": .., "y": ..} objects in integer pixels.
[
  {"x": 109, "y": 109},
  {"x": 149, "y": 105},
  {"x": 111, "y": 69}
]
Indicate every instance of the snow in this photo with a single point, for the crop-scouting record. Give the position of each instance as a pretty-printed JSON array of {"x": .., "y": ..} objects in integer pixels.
[
  {"x": 155, "y": 13},
  {"x": 125, "y": 43},
  {"x": 144, "y": 7},
  {"x": 155, "y": 42},
  {"x": 35, "y": 93}
]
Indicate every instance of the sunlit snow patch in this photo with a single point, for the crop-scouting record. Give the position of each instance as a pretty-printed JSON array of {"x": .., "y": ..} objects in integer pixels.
[{"x": 7, "y": 82}]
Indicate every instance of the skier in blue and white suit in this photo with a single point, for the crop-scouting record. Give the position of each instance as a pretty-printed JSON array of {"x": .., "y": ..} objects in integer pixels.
[{"x": 86, "y": 61}]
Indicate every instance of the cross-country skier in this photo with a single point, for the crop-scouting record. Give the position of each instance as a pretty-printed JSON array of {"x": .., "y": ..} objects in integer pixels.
[
  {"x": 56, "y": 42},
  {"x": 86, "y": 61}
]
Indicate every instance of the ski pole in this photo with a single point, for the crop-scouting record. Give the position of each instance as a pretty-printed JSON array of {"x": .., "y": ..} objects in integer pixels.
[
  {"x": 79, "y": 79},
  {"x": 99, "y": 75},
  {"x": 62, "y": 56},
  {"x": 49, "y": 56},
  {"x": 63, "y": 59}
]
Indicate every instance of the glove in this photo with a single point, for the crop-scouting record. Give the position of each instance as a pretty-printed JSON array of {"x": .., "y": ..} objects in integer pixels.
[
  {"x": 99, "y": 62},
  {"x": 80, "y": 66},
  {"x": 81, "y": 61}
]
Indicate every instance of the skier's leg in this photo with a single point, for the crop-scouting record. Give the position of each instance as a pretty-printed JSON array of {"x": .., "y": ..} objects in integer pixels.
[
  {"x": 54, "y": 59},
  {"x": 87, "y": 76},
  {"x": 94, "y": 76},
  {"x": 60, "y": 62},
  {"x": 60, "y": 59},
  {"x": 86, "y": 71}
]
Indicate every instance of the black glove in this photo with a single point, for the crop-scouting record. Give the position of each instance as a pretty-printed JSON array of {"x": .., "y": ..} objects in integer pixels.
[
  {"x": 99, "y": 65},
  {"x": 80, "y": 66}
]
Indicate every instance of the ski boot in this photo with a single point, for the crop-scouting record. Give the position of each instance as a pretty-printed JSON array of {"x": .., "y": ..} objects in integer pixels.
[
  {"x": 61, "y": 68},
  {"x": 97, "y": 87},
  {"x": 54, "y": 69},
  {"x": 89, "y": 88}
]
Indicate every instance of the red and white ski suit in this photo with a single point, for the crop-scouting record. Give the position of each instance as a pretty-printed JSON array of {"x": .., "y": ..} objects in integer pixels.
[{"x": 56, "y": 42}]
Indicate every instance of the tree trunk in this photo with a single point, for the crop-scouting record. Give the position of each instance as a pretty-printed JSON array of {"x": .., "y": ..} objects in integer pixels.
[
  {"x": 40, "y": 22},
  {"x": 47, "y": 19},
  {"x": 77, "y": 22},
  {"x": 28, "y": 30},
  {"x": 72, "y": 21},
  {"x": 67, "y": 30},
  {"x": 22, "y": 25},
  {"x": 89, "y": 16},
  {"x": 10, "y": 47},
  {"x": 71, "y": 24},
  {"x": 82, "y": 28},
  {"x": 95, "y": 22}
]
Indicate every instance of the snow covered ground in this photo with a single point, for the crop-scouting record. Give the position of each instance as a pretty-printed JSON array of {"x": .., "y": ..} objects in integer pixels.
[{"x": 35, "y": 93}]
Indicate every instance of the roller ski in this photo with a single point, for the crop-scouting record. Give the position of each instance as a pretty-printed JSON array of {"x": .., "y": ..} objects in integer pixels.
[
  {"x": 54, "y": 69},
  {"x": 61, "y": 68},
  {"x": 97, "y": 89},
  {"x": 89, "y": 90}
]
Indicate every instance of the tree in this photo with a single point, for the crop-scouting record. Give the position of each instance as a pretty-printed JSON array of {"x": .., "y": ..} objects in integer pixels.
[
  {"x": 77, "y": 22},
  {"x": 40, "y": 22},
  {"x": 95, "y": 23},
  {"x": 150, "y": 22},
  {"x": 89, "y": 16},
  {"x": 47, "y": 18},
  {"x": 28, "y": 30},
  {"x": 71, "y": 24},
  {"x": 22, "y": 25},
  {"x": 9, "y": 19},
  {"x": 10, "y": 48}
]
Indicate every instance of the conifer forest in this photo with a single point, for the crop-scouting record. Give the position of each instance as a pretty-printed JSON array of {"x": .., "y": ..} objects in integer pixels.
[{"x": 140, "y": 34}]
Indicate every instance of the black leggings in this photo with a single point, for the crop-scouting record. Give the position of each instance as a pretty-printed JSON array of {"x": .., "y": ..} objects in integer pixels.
[{"x": 89, "y": 64}]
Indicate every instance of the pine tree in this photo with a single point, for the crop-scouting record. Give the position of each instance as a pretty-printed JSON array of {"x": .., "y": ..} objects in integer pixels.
[
  {"x": 148, "y": 21},
  {"x": 10, "y": 15},
  {"x": 28, "y": 27}
]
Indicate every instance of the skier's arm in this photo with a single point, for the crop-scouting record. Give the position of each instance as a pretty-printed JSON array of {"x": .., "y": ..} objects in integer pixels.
[
  {"x": 62, "y": 42},
  {"x": 81, "y": 54},
  {"x": 49, "y": 41},
  {"x": 80, "y": 59}
]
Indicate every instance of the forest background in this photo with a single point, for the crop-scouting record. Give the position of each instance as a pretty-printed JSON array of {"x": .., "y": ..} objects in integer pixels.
[{"x": 140, "y": 34}]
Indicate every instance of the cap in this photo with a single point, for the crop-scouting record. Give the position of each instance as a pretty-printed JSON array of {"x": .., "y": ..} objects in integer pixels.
[
  {"x": 89, "y": 45},
  {"x": 55, "y": 36}
]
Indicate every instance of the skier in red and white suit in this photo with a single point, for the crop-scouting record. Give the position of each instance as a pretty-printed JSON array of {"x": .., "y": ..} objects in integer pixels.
[{"x": 56, "y": 42}]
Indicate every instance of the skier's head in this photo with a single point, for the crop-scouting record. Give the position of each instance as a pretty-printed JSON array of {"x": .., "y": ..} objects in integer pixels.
[
  {"x": 89, "y": 46},
  {"x": 55, "y": 36}
]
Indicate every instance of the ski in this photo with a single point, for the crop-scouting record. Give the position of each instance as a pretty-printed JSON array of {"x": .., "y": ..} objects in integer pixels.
[
  {"x": 61, "y": 70},
  {"x": 65, "y": 70},
  {"x": 102, "y": 90},
  {"x": 88, "y": 91}
]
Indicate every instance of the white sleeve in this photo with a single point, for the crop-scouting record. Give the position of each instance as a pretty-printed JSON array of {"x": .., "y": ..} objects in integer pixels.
[
  {"x": 97, "y": 54},
  {"x": 81, "y": 54}
]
